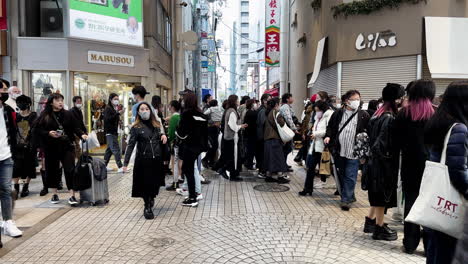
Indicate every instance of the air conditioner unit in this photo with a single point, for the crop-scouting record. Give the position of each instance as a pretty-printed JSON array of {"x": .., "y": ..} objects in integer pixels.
[{"x": 51, "y": 19}]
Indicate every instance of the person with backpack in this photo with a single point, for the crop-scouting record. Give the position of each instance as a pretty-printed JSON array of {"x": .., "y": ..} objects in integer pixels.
[
  {"x": 57, "y": 128},
  {"x": 345, "y": 124},
  {"x": 193, "y": 133},
  {"x": 147, "y": 172},
  {"x": 174, "y": 108},
  {"x": 215, "y": 115},
  {"x": 25, "y": 160}
]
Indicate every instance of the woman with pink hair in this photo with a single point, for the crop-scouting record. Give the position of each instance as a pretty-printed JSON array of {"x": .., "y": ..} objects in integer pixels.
[{"x": 409, "y": 131}]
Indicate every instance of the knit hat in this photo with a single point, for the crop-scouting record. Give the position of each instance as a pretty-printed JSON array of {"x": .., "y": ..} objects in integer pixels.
[
  {"x": 313, "y": 98},
  {"x": 392, "y": 91}
]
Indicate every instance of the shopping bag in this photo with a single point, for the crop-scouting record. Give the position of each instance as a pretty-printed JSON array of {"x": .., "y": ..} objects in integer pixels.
[
  {"x": 92, "y": 142},
  {"x": 286, "y": 134},
  {"x": 325, "y": 163},
  {"x": 439, "y": 205}
]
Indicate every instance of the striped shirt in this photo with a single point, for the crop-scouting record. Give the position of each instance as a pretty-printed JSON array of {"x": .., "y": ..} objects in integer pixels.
[{"x": 348, "y": 135}]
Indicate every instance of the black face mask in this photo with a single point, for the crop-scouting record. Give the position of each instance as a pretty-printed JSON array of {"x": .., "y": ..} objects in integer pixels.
[
  {"x": 23, "y": 107},
  {"x": 4, "y": 97}
]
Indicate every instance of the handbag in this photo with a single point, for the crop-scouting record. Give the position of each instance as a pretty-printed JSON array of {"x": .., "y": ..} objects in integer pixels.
[
  {"x": 439, "y": 205},
  {"x": 286, "y": 134},
  {"x": 325, "y": 163}
]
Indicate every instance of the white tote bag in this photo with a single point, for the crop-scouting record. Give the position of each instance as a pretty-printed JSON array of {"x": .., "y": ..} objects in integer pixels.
[
  {"x": 93, "y": 142},
  {"x": 439, "y": 205},
  {"x": 286, "y": 134}
]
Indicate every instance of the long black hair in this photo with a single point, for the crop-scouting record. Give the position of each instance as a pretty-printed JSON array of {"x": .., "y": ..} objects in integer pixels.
[
  {"x": 111, "y": 96},
  {"x": 46, "y": 115},
  {"x": 453, "y": 109},
  {"x": 271, "y": 104}
]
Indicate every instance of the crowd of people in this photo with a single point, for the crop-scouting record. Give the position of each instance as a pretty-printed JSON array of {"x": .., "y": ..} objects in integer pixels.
[{"x": 391, "y": 140}]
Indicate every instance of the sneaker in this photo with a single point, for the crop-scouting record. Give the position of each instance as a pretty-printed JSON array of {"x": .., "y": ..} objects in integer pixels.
[
  {"x": 286, "y": 176},
  {"x": 344, "y": 206},
  {"x": 283, "y": 180},
  {"x": 120, "y": 170},
  {"x": 173, "y": 186},
  {"x": 182, "y": 192},
  {"x": 199, "y": 197},
  {"x": 55, "y": 199},
  {"x": 109, "y": 169},
  {"x": 369, "y": 225},
  {"x": 224, "y": 174},
  {"x": 192, "y": 202},
  {"x": 319, "y": 185},
  {"x": 261, "y": 175},
  {"x": 10, "y": 229},
  {"x": 44, "y": 192},
  {"x": 72, "y": 201},
  {"x": 384, "y": 233}
]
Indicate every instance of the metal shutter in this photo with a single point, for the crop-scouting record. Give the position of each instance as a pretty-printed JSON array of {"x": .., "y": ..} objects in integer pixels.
[
  {"x": 441, "y": 84},
  {"x": 369, "y": 77},
  {"x": 327, "y": 81}
]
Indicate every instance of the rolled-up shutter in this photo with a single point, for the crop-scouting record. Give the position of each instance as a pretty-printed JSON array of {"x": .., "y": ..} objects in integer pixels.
[
  {"x": 369, "y": 77},
  {"x": 327, "y": 81},
  {"x": 441, "y": 84}
]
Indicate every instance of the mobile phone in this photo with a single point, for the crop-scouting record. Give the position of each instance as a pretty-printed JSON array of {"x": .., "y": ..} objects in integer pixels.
[{"x": 59, "y": 132}]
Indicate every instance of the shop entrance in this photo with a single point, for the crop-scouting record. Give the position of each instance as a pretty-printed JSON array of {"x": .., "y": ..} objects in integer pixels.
[{"x": 95, "y": 89}]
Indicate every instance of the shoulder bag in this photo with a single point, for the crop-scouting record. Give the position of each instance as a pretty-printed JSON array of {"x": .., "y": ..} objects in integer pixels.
[{"x": 286, "y": 134}]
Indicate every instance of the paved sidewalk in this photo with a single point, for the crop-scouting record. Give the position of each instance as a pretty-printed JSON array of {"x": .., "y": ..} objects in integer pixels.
[{"x": 233, "y": 224}]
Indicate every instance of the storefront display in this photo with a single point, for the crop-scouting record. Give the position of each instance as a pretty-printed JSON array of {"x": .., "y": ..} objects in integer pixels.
[{"x": 44, "y": 84}]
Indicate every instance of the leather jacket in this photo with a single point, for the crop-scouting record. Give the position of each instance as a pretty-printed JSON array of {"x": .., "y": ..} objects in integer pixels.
[{"x": 147, "y": 140}]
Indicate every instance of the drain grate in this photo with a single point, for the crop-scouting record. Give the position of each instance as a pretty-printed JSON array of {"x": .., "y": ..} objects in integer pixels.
[
  {"x": 162, "y": 242},
  {"x": 271, "y": 188}
]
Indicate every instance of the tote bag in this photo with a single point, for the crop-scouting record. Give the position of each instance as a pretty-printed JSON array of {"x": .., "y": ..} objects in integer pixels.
[
  {"x": 439, "y": 205},
  {"x": 325, "y": 163},
  {"x": 286, "y": 134}
]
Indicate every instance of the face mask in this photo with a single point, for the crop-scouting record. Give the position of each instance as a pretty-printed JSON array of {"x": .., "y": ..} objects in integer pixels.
[
  {"x": 15, "y": 95},
  {"x": 354, "y": 104},
  {"x": 79, "y": 106},
  {"x": 380, "y": 105},
  {"x": 182, "y": 103},
  {"x": 115, "y": 102},
  {"x": 145, "y": 115},
  {"x": 4, "y": 97},
  {"x": 23, "y": 107},
  {"x": 255, "y": 106},
  {"x": 318, "y": 115}
]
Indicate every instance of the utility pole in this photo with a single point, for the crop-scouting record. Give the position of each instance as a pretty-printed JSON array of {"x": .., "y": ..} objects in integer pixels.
[{"x": 284, "y": 49}]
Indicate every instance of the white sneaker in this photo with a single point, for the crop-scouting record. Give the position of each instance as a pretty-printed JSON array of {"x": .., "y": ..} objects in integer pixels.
[
  {"x": 109, "y": 169},
  {"x": 319, "y": 185},
  {"x": 199, "y": 196},
  {"x": 182, "y": 192},
  {"x": 120, "y": 170},
  {"x": 202, "y": 178},
  {"x": 10, "y": 229}
]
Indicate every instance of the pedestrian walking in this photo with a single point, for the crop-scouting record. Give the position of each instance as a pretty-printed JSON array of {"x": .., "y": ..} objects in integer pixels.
[
  {"x": 344, "y": 125},
  {"x": 274, "y": 158},
  {"x": 26, "y": 154},
  {"x": 383, "y": 164},
  {"x": 174, "y": 108},
  {"x": 193, "y": 133},
  {"x": 147, "y": 172},
  {"x": 452, "y": 110},
  {"x": 231, "y": 148},
  {"x": 215, "y": 116},
  {"x": 112, "y": 114},
  {"x": 57, "y": 128},
  {"x": 323, "y": 113},
  {"x": 409, "y": 138},
  {"x": 287, "y": 112},
  {"x": 260, "y": 143},
  {"x": 8, "y": 137}
]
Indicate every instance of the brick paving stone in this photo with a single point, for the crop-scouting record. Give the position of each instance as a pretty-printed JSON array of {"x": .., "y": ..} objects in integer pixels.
[{"x": 233, "y": 224}]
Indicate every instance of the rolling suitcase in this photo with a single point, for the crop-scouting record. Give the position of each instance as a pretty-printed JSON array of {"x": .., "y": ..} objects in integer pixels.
[{"x": 98, "y": 193}]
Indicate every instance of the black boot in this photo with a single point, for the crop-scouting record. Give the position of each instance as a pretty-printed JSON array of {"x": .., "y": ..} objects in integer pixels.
[
  {"x": 384, "y": 233},
  {"x": 369, "y": 225},
  {"x": 44, "y": 190},
  {"x": 25, "y": 190},
  {"x": 305, "y": 193},
  {"x": 148, "y": 211},
  {"x": 16, "y": 191}
]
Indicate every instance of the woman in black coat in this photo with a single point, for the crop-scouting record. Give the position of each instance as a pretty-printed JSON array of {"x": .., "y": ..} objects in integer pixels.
[
  {"x": 147, "y": 174},
  {"x": 383, "y": 164},
  {"x": 409, "y": 139}
]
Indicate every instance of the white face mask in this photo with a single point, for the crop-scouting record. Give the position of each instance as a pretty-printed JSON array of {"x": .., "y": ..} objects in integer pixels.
[
  {"x": 115, "y": 102},
  {"x": 79, "y": 106},
  {"x": 15, "y": 95},
  {"x": 354, "y": 104},
  {"x": 145, "y": 115},
  {"x": 318, "y": 115}
]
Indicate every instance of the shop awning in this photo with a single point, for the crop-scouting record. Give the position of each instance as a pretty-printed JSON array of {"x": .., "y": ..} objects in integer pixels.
[
  {"x": 318, "y": 62},
  {"x": 273, "y": 92},
  {"x": 447, "y": 47}
]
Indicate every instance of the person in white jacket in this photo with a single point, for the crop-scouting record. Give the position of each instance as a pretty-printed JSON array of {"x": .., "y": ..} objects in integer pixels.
[{"x": 323, "y": 114}]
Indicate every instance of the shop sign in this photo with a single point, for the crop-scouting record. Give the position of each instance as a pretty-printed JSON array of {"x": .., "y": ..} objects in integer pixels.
[
  {"x": 97, "y": 57},
  {"x": 376, "y": 40},
  {"x": 272, "y": 33},
  {"x": 204, "y": 64}
]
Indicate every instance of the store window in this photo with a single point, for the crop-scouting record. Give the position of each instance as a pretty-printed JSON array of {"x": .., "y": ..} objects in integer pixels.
[{"x": 45, "y": 83}]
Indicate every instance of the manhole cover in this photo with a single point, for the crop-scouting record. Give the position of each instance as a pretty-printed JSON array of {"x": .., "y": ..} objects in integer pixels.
[
  {"x": 162, "y": 242},
  {"x": 271, "y": 188}
]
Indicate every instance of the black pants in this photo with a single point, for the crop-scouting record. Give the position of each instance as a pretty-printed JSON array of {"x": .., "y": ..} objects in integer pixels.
[
  {"x": 287, "y": 149},
  {"x": 302, "y": 153},
  {"x": 251, "y": 151},
  {"x": 113, "y": 148},
  {"x": 213, "y": 133},
  {"x": 188, "y": 167},
  {"x": 259, "y": 156},
  {"x": 228, "y": 149},
  {"x": 312, "y": 162},
  {"x": 53, "y": 158},
  {"x": 412, "y": 232}
]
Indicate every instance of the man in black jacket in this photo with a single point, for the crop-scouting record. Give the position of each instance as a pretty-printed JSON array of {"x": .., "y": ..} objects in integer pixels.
[
  {"x": 78, "y": 116},
  {"x": 345, "y": 124},
  {"x": 111, "y": 125},
  {"x": 261, "y": 117}
]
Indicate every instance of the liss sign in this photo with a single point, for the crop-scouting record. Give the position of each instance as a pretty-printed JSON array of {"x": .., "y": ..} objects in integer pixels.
[{"x": 97, "y": 57}]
